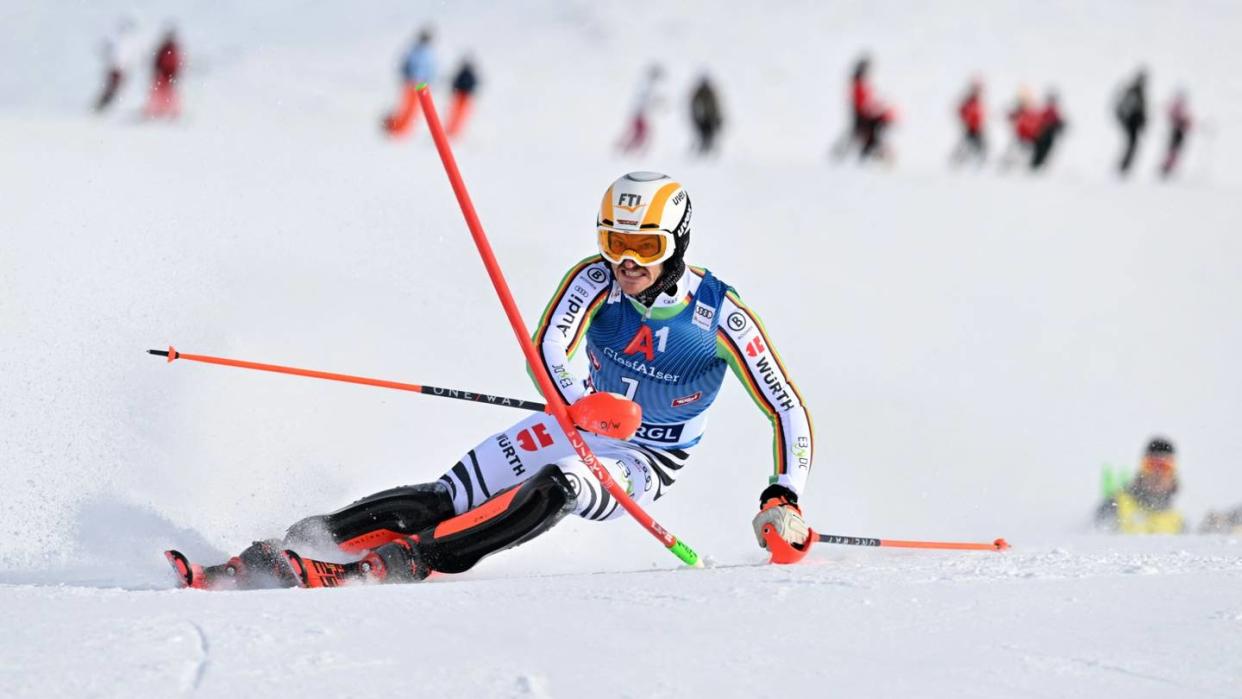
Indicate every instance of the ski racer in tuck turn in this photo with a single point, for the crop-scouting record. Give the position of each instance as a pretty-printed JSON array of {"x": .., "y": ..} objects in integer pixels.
[{"x": 658, "y": 337}]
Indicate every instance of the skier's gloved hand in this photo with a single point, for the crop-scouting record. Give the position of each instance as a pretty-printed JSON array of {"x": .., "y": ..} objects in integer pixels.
[
  {"x": 607, "y": 414},
  {"x": 780, "y": 522}
]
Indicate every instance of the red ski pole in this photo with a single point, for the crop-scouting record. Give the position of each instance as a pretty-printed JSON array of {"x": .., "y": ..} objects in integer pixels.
[
  {"x": 457, "y": 394},
  {"x": 555, "y": 405},
  {"x": 784, "y": 553},
  {"x": 997, "y": 545}
]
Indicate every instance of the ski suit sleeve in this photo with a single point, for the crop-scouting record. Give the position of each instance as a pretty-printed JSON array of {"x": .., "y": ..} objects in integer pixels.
[
  {"x": 742, "y": 341},
  {"x": 564, "y": 323}
]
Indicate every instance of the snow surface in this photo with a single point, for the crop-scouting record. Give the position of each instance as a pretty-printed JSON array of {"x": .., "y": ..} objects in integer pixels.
[{"x": 973, "y": 348}]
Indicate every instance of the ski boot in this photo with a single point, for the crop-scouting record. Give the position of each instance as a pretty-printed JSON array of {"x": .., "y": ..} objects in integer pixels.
[{"x": 397, "y": 561}]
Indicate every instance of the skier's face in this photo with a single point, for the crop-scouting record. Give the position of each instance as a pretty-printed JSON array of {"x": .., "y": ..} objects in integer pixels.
[{"x": 634, "y": 278}]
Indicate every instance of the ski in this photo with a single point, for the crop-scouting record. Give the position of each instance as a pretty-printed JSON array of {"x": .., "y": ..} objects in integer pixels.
[
  {"x": 199, "y": 577},
  {"x": 261, "y": 566}
]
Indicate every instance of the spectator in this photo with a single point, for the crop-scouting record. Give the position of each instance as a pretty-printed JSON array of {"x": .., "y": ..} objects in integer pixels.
[
  {"x": 870, "y": 118},
  {"x": 706, "y": 116},
  {"x": 1131, "y": 109},
  {"x": 1048, "y": 128},
  {"x": 1025, "y": 118},
  {"x": 465, "y": 82},
  {"x": 637, "y": 136},
  {"x": 119, "y": 49},
  {"x": 164, "y": 101},
  {"x": 1179, "y": 126},
  {"x": 417, "y": 67},
  {"x": 1145, "y": 505},
  {"x": 970, "y": 113}
]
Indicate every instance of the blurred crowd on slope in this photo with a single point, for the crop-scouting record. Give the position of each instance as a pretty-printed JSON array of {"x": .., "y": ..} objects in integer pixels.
[{"x": 1035, "y": 127}]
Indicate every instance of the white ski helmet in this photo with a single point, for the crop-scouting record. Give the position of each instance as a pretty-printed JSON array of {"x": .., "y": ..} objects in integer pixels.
[{"x": 644, "y": 203}]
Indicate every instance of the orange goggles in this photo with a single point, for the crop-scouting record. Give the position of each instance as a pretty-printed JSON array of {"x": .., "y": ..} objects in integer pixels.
[
  {"x": 1159, "y": 464},
  {"x": 643, "y": 247}
]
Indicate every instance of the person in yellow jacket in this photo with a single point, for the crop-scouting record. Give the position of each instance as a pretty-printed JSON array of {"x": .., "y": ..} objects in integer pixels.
[{"x": 1145, "y": 505}]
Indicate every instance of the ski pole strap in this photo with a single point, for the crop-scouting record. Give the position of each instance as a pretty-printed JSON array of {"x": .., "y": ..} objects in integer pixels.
[
  {"x": 454, "y": 393},
  {"x": 997, "y": 545}
]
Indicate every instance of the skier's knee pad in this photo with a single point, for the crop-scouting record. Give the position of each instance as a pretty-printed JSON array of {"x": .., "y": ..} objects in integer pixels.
[
  {"x": 376, "y": 519},
  {"x": 511, "y": 517}
]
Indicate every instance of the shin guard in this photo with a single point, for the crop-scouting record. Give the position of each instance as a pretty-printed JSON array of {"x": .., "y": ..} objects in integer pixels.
[
  {"x": 376, "y": 519},
  {"x": 512, "y": 517}
]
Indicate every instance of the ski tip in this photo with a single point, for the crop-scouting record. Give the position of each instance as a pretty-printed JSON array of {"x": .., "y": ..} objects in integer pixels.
[
  {"x": 297, "y": 566},
  {"x": 1001, "y": 545},
  {"x": 182, "y": 567},
  {"x": 189, "y": 575}
]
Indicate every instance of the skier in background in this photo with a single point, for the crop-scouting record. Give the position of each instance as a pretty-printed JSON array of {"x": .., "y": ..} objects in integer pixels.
[
  {"x": 648, "y": 99},
  {"x": 1025, "y": 117},
  {"x": 418, "y": 66},
  {"x": 971, "y": 115},
  {"x": 1131, "y": 111},
  {"x": 706, "y": 115},
  {"x": 869, "y": 118},
  {"x": 465, "y": 82},
  {"x": 1145, "y": 505},
  {"x": 1179, "y": 126},
  {"x": 657, "y": 338},
  {"x": 119, "y": 49},
  {"x": 1049, "y": 126},
  {"x": 164, "y": 101}
]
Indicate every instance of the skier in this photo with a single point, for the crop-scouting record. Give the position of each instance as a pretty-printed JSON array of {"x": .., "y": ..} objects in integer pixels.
[
  {"x": 869, "y": 118},
  {"x": 1145, "y": 506},
  {"x": 970, "y": 113},
  {"x": 1179, "y": 126},
  {"x": 465, "y": 82},
  {"x": 648, "y": 99},
  {"x": 118, "y": 55},
  {"x": 1048, "y": 127},
  {"x": 1025, "y": 117},
  {"x": 658, "y": 336},
  {"x": 163, "y": 101},
  {"x": 418, "y": 66},
  {"x": 706, "y": 116},
  {"x": 1131, "y": 110}
]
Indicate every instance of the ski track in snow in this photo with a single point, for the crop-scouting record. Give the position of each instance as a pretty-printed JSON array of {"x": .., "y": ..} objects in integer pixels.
[
  {"x": 973, "y": 346},
  {"x": 200, "y": 663}
]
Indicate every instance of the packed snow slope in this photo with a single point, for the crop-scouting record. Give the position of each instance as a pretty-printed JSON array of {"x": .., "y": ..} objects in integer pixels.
[{"x": 973, "y": 347}]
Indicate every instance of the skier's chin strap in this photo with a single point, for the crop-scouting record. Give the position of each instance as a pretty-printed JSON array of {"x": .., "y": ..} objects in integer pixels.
[{"x": 668, "y": 282}]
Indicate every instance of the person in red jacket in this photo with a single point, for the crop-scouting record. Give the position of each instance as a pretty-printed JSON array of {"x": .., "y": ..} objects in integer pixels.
[
  {"x": 970, "y": 113},
  {"x": 1048, "y": 127},
  {"x": 164, "y": 101},
  {"x": 870, "y": 117},
  {"x": 1024, "y": 117},
  {"x": 1179, "y": 126}
]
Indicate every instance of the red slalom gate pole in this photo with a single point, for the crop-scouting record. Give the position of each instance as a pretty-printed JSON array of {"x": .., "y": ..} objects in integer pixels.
[{"x": 555, "y": 405}]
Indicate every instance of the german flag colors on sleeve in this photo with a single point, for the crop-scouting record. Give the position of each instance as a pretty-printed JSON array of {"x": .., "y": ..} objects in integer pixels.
[
  {"x": 564, "y": 322},
  {"x": 742, "y": 341}
]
